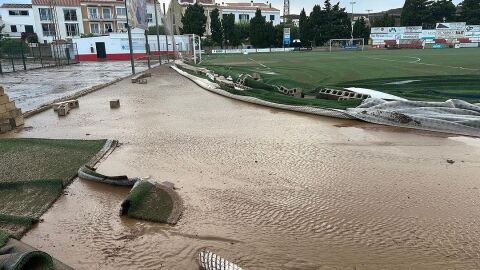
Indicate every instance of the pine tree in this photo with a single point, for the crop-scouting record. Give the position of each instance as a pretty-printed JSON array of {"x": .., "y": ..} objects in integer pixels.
[
  {"x": 416, "y": 13},
  {"x": 443, "y": 10},
  {"x": 228, "y": 23},
  {"x": 305, "y": 29},
  {"x": 216, "y": 27},
  {"x": 361, "y": 30},
  {"x": 194, "y": 20},
  {"x": 316, "y": 25},
  {"x": 384, "y": 21},
  {"x": 257, "y": 29},
  {"x": 470, "y": 11}
]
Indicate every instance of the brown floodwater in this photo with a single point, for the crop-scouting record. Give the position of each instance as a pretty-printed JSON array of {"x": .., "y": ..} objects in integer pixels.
[{"x": 264, "y": 188}]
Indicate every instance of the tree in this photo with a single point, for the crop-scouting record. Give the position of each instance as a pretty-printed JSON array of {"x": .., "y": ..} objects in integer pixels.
[
  {"x": 317, "y": 24},
  {"x": 194, "y": 20},
  {"x": 228, "y": 23},
  {"x": 216, "y": 27},
  {"x": 416, "y": 13},
  {"x": 470, "y": 11},
  {"x": 257, "y": 30},
  {"x": 361, "y": 30},
  {"x": 443, "y": 10},
  {"x": 269, "y": 40},
  {"x": 384, "y": 21},
  {"x": 305, "y": 29},
  {"x": 152, "y": 30}
]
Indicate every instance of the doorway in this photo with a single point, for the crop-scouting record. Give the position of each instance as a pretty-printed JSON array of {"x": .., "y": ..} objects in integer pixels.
[{"x": 101, "y": 52}]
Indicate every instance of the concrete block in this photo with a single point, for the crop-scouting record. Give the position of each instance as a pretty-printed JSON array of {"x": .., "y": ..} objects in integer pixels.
[
  {"x": 63, "y": 110},
  {"x": 5, "y": 127},
  {"x": 2, "y": 91},
  {"x": 72, "y": 104},
  {"x": 142, "y": 81},
  {"x": 114, "y": 104},
  {"x": 3, "y": 108},
  {"x": 10, "y": 106},
  {"x": 4, "y": 99},
  {"x": 17, "y": 121}
]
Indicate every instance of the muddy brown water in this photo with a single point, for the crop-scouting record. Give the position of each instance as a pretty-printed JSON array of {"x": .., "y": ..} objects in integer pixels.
[{"x": 264, "y": 188}]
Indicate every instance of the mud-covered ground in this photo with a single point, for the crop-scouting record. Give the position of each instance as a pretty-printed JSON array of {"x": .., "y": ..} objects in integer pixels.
[
  {"x": 265, "y": 188},
  {"x": 32, "y": 88}
]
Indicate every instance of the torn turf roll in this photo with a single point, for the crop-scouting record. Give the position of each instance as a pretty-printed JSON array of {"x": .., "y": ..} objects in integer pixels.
[{"x": 89, "y": 173}]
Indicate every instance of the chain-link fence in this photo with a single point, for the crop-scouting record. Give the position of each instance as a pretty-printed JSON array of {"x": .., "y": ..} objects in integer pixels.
[{"x": 17, "y": 56}]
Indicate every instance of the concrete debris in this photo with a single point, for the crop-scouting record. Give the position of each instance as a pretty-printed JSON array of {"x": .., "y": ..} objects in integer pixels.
[
  {"x": 63, "y": 110},
  {"x": 10, "y": 116},
  {"x": 114, "y": 104},
  {"x": 294, "y": 92},
  {"x": 72, "y": 104},
  {"x": 140, "y": 77},
  {"x": 256, "y": 76},
  {"x": 333, "y": 94}
]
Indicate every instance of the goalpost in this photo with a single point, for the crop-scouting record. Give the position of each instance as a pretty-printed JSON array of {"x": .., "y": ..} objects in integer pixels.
[
  {"x": 189, "y": 48},
  {"x": 347, "y": 44}
]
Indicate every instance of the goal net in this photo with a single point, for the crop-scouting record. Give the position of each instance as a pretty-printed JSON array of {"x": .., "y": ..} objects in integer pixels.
[
  {"x": 189, "y": 48},
  {"x": 356, "y": 44}
]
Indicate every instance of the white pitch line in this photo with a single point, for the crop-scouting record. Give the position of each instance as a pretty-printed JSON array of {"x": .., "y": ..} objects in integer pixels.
[
  {"x": 416, "y": 59},
  {"x": 418, "y": 63},
  {"x": 258, "y": 63}
]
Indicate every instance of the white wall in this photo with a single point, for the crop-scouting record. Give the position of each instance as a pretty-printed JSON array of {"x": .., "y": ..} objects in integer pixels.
[
  {"x": 61, "y": 22},
  {"x": 19, "y": 21},
  {"x": 251, "y": 13}
]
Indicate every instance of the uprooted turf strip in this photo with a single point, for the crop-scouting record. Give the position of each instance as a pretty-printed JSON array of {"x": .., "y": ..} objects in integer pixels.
[
  {"x": 33, "y": 173},
  {"x": 435, "y": 75}
]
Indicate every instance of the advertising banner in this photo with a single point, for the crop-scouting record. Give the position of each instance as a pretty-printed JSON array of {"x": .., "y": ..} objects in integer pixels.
[
  {"x": 411, "y": 36},
  {"x": 413, "y": 29},
  {"x": 472, "y": 28},
  {"x": 388, "y": 30},
  {"x": 137, "y": 14},
  {"x": 468, "y": 45},
  {"x": 452, "y": 26},
  {"x": 428, "y": 34},
  {"x": 437, "y": 46},
  {"x": 449, "y": 34},
  {"x": 286, "y": 36}
]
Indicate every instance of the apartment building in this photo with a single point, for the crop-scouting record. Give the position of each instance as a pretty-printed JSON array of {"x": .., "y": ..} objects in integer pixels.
[
  {"x": 17, "y": 18},
  {"x": 66, "y": 15},
  {"x": 99, "y": 17}
]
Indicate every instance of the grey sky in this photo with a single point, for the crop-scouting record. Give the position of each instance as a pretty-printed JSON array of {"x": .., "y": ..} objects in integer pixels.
[{"x": 296, "y": 5}]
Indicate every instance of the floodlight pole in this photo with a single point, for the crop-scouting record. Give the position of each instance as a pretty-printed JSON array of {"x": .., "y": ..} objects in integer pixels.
[
  {"x": 158, "y": 32},
  {"x": 352, "y": 3},
  {"x": 132, "y": 61}
]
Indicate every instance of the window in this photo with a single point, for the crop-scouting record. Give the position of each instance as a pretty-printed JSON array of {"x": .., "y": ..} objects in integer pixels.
[
  {"x": 48, "y": 29},
  {"x": 272, "y": 17},
  {"x": 70, "y": 14},
  {"x": 18, "y": 12},
  {"x": 92, "y": 13},
  {"x": 107, "y": 13},
  {"x": 107, "y": 28},
  {"x": 13, "y": 28},
  {"x": 29, "y": 28},
  {"x": 244, "y": 17},
  {"x": 72, "y": 29},
  {"x": 150, "y": 17},
  {"x": 45, "y": 14},
  {"x": 94, "y": 28},
  {"x": 121, "y": 11}
]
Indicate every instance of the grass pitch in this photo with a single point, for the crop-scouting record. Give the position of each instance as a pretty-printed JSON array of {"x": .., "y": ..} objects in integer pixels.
[
  {"x": 434, "y": 75},
  {"x": 27, "y": 165}
]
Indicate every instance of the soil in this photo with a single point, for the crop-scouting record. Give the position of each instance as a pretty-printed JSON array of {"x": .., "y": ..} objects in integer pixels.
[{"x": 263, "y": 188}]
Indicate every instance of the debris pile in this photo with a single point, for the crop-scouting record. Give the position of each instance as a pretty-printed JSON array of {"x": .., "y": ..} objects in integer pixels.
[
  {"x": 10, "y": 116},
  {"x": 63, "y": 108},
  {"x": 141, "y": 78},
  {"x": 294, "y": 92}
]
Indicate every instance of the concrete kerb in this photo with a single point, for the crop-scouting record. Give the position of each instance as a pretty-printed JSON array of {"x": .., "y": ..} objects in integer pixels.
[{"x": 215, "y": 88}]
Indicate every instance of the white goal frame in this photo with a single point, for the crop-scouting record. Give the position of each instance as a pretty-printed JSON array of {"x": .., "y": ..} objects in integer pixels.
[
  {"x": 191, "y": 50},
  {"x": 362, "y": 42}
]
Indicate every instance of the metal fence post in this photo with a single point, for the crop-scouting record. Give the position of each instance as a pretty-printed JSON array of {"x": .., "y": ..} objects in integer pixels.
[
  {"x": 40, "y": 54},
  {"x": 1, "y": 71},
  {"x": 11, "y": 58},
  {"x": 23, "y": 58}
]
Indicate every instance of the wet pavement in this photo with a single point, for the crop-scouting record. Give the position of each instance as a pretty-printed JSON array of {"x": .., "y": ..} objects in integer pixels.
[
  {"x": 32, "y": 88},
  {"x": 264, "y": 188}
]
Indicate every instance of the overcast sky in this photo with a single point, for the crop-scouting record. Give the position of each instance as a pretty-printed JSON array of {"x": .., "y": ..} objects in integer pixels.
[{"x": 296, "y": 5}]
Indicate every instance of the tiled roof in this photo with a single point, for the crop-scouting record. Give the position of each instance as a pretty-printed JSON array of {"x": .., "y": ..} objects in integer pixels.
[
  {"x": 16, "y": 6},
  {"x": 62, "y": 3},
  {"x": 201, "y": 2}
]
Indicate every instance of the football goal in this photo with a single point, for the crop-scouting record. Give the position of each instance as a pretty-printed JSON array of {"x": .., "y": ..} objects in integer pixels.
[
  {"x": 190, "y": 49},
  {"x": 355, "y": 44}
]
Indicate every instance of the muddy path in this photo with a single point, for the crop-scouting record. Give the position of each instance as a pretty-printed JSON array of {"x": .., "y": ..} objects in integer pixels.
[{"x": 265, "y": 188}]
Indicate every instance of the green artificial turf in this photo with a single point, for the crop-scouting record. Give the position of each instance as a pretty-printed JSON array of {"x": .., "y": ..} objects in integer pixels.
[
  {"x": 27, "y": 165},
  {"x": 148, "y": 202},
  {"x": 442, "y": 74},
  {"x": 3, "y": 238}
]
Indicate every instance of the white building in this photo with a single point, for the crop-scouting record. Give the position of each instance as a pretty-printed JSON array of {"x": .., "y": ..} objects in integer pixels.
[
  {"x": 244, "y": 12},
  {"x": 66, "y": 14},
  {"x": 17, "y": 18}
]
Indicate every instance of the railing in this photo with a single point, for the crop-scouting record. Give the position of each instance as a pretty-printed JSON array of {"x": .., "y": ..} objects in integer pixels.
[{"x": 20, "y": 56}]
